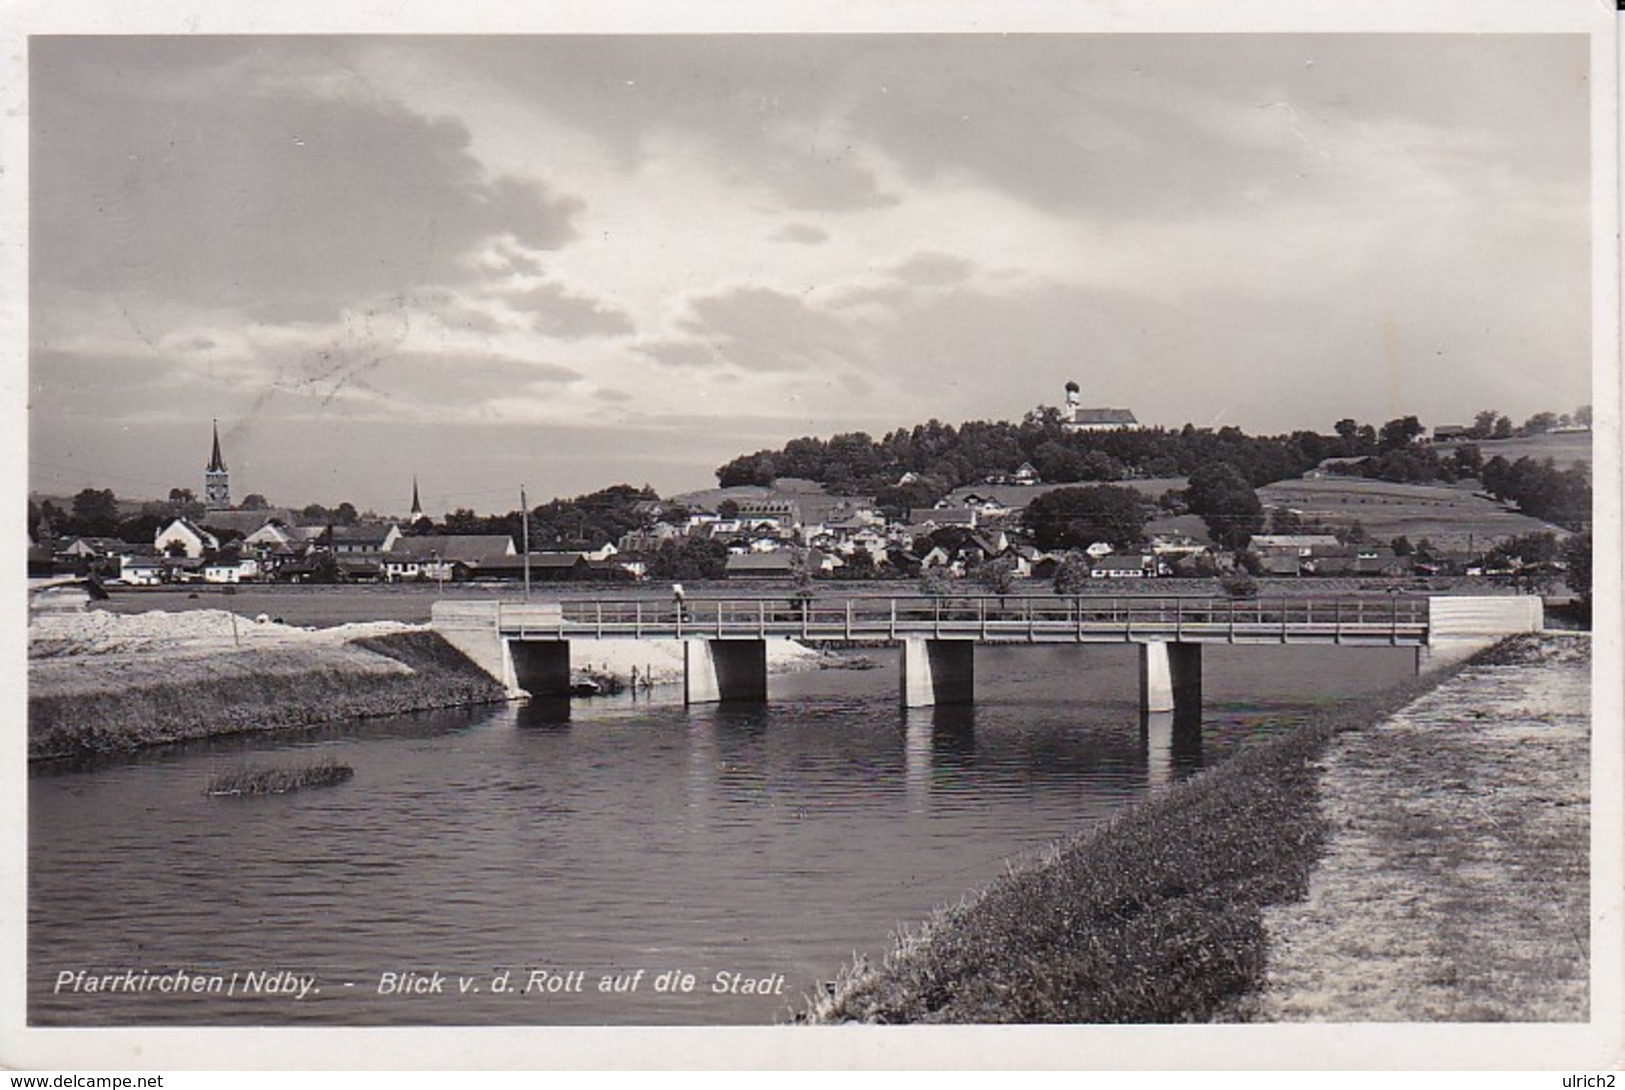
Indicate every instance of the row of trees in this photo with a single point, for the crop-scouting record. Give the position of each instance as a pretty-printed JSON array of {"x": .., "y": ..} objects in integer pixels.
[
  {"x": 943, "y": 457},
  {"x": 1541, "y": 490}
]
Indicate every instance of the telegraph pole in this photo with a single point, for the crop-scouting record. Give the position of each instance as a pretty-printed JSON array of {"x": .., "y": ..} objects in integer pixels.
[{"x": 524, "y": 535}]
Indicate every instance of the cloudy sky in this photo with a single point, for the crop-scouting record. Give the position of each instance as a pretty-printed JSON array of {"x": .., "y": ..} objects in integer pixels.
[{"x": 569, "y": 262}]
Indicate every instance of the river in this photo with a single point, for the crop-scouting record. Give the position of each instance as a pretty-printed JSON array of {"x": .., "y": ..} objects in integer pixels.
[{"x": 613, "y": 861}]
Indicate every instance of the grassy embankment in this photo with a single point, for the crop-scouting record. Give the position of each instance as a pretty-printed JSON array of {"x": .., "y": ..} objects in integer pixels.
[
  {"x": 1154, "y": 917},
  {"x": 87, "y": 705},
  {"x": 280, "y": 780}
]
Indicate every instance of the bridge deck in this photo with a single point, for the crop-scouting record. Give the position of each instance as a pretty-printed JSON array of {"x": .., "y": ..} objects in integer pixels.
[{"x": 1399, "y": 621}]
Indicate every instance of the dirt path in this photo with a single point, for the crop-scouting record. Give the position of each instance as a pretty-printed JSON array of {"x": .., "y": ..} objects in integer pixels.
[{"x": 1455, "y": 883}]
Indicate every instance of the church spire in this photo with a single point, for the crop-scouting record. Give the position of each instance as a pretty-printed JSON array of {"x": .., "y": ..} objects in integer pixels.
[
  {"x": 216, "y": 482},
  {"x": 417, "y": 507},
  {"x": 217, "y": 464}
]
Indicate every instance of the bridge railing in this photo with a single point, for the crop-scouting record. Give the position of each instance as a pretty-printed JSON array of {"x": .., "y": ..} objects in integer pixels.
[{"x": 984, "y": 617}]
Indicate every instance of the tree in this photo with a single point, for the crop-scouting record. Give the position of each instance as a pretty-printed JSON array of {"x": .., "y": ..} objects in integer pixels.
[
  {"x": 345, "y": 514},
  {"x": 256, "y": 502},
  {"x": 1400, "y": 433},
  {"x": 1502, "y": 429},
  {"x": 182, "y": 497},
  {"x": 1284, "y": 520},
  {"x": 691, "y": 559},
  {"x": 996, "y": 575},
  {"x": 1484, "y": 424},
  {"x": 1226, "y": 503},
  {"x": 1401, "y": 545},
  {"x": 96, "y": 512},
  {"x": 1582, "y": 416},
  {"x": 935, "y": 582},
  {"x": 1073, "y": 574},
  {"x": 1080, "y": 516},
  {"x": 1469, "y": 460},
  {"x": 1540, "y": 423}
]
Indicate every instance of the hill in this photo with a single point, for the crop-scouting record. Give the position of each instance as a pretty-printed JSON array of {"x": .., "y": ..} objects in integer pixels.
[
  {"x": 1450, "y": 517},
  {"x": 1563, "y": 448}
]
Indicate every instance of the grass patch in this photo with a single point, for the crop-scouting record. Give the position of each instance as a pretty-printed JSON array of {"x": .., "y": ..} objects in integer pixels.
[
  {"x": 1153, "y": 917},
  {"x": 279, "y": 781},
  {"x": 99, "y": 705}
]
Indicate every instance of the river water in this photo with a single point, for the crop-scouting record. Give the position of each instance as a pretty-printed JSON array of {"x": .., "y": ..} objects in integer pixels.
[{"x": 737, "y": 857}]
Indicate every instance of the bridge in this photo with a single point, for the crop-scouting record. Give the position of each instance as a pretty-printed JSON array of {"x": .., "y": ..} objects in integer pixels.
[{"x": 526, "y": 645}]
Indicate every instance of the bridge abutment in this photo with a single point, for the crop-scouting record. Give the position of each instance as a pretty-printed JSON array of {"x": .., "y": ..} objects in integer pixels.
[
  {"x": 1170, "y": 676},
  {"x": 724, "y": 671},
  {"x": 937, "y": 672}
]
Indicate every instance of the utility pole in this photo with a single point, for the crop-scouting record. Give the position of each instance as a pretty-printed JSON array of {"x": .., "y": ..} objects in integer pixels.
[{"x": 524, "y": 536}]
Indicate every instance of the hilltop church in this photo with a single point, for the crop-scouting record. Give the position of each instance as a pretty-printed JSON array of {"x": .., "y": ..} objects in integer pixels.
[{"x": 1076, "y": 418}]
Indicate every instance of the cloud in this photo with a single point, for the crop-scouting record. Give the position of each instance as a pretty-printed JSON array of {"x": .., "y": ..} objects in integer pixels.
[
  {"x": 161, "y": 176},
  {"x": 673, "y": 353},
  {"x": 760, "y": 329},
  {"x": 933, "y": 270},
  {"x": 561, "y": 313},
  {"x": 804, "y": 233}
]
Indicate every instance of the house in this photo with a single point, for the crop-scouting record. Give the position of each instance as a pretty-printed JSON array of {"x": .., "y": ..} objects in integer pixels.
[
  {"x": 430, "y": 556},
  {"x": 363, "y": 538},
  {"x": 774, "y": 565},
  {"x": 1288, "y": 554},
  {"x": 271, "y": 534},
  {"x": 1339, "y": 560},
  {"x": 548, "y": 567},
  {"x": 1026, "y": 475},
  {"x": 776, "y": 512},
  {"x": 184, "y": 537},
  {"x": 1177, "y": 545},
  {"x": 91, "y": 548},
  {"x": 143, "y": 571},
  {"x": 1447, "y": 433},
  {"x": 1127, "y": 566},
  {"x": 938, "y": 517},
  {"x": 231, "y": 571}
]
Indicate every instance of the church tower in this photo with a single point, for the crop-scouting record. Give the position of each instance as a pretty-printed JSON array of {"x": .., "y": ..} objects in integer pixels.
[
  {"x": 216, "y": 486},
  {"x": 417, "y": 515}
]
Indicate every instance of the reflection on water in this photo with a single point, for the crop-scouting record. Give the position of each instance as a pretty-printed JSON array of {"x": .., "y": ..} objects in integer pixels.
[{"x": 603, "y": 837}]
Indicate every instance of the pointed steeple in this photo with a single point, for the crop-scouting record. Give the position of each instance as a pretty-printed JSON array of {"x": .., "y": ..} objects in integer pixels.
[
  {"x": 417, "y": 507},
  {"x": 216, "y": 482},
  {"x": 217, "y": 464}
]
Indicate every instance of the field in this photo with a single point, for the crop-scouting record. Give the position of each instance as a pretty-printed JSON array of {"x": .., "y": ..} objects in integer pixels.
[
  {"x": 1452, "y": 518},
  {"x": 1564, "y": 449}
]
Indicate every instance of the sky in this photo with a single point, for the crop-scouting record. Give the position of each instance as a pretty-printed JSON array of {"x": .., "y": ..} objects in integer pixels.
[{"x": 566, "y": 262}]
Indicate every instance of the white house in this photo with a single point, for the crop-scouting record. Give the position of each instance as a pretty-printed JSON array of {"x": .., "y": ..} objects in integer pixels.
[
  {"x": 231, "y": 571},
  {"x": 194, "y": 540}
]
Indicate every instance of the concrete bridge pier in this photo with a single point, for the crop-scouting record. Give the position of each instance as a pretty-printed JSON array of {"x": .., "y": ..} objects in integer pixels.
[
  {"x": 1170, "y": 676},
  {"x": 938, "y": 672},
  {"x": 541, "y": 667},
  {"x": 1172, "y": 744},
  {"x": 724, "y": 671}
]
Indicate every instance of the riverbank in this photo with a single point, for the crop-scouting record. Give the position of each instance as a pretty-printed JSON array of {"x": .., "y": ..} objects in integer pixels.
[
  {"x": 1454, "y": 884},
  {"x": 99, "y": 683},
  {"x": 1170, "y": 912}
]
